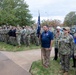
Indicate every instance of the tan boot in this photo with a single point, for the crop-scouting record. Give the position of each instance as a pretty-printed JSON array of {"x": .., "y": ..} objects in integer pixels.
[{"x": 66, "y": 73}]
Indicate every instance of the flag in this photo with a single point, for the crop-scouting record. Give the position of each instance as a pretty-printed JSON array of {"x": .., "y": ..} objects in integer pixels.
[{"x": 38, "y": 26}]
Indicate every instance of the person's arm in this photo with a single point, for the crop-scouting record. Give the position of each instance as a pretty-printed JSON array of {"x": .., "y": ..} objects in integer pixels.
[
  {"x": 72, "y": 44},
  {"x": 51, "y": 44}
]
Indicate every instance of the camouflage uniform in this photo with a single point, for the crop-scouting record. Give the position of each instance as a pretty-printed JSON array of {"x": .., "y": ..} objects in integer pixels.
[
  {"x": 35, "y": 39},
  {"x": 57, "y": 36},
  {"x": 18, "y": 36},
  {"x": 28, "y": 37},
  {"x": 6, "y": 37},
  {"x": 37, "y": 42},
  {"x": 1, "y": 35},
  {"x": 65, "y": 50},
  {"x": 32, "y": 36},
  {"x": 23, "y": 36}
]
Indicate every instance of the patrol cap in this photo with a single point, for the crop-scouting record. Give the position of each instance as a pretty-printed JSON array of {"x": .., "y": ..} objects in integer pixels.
[{"x": 66, "y": 28}]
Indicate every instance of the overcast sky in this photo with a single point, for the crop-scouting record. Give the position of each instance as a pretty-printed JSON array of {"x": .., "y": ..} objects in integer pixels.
[{"x": 51, "y": 9}]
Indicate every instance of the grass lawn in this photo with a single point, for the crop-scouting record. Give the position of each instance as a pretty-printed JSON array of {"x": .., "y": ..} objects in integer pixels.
[
  {"x": 38, "y": 69},
  {"x": 7, "y": 47}
]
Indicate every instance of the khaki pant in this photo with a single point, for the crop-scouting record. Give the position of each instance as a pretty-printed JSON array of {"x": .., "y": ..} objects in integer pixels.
[{"x": 45, "y": 56}]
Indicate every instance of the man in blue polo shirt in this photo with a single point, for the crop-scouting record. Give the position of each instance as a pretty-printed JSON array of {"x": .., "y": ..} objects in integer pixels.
[{"x": 46, "y": 44}]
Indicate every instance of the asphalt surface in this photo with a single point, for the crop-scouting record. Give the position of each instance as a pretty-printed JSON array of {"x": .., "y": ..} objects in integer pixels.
[
  {"x": 8, "y": 67},
  {"x": 25, "y": 58}
]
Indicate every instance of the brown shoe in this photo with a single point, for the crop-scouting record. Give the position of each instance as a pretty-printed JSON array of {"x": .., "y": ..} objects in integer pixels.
[{"x": 66, "y": 73}]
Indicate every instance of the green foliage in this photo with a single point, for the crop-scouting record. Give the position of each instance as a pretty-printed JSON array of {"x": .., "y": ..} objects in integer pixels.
[
  {"x": 38, "y": 69},
  {"x": 53, "y": 23},
  {"x": 15, "y": 12},
  {"x": 70, "y": 19}
]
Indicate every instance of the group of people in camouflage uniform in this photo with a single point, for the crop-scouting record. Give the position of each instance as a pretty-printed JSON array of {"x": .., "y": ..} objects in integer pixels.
[
  {"x": 16, "y": 35},
  {"x": 64, "y": 42},
  {"x": 64, "y": 47}
]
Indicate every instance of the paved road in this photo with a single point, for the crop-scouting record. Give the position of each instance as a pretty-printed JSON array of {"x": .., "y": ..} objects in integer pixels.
[
  {"x": 8, "y": 67},
  {"x": 25, "y": 58}
]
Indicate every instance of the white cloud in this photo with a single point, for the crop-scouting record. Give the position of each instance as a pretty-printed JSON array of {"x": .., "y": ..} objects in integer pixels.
[
  {"x": 51, "y": 8},
  {"x": 39, "y": 3},
  {"x": 61, "y": 18}
]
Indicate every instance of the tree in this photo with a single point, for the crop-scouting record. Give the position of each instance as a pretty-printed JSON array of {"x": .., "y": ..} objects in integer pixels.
[
  {"x": 52, "y": 23},
  {"x": 70, "y": 19},
  {"x": 14, "y": 12}
]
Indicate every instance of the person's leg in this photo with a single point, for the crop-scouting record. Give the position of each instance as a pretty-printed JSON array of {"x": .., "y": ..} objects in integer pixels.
[
  {"x": 14, "y": 41},
  {"x": 43, "y": 53},
  {"x": 62, "y": 61},
  {"x": 67, "y": 64},
  {"x": 37, "y": 41},
  {"x": 73, "y": 61},
  {"x": 28, "y": 40},
  {"x": 47, "y": 57},
  {"x": 56, "y": 54},
  {"x": 11, "y": 40}
]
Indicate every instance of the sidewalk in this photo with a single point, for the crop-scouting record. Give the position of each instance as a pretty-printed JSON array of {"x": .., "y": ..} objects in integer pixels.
[
  {"x": 8, "y": 67},
  {"x": 25, "y": 58}
]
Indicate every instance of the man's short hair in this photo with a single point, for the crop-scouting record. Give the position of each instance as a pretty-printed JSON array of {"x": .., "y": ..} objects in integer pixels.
[{"x": 46, "y": 26}]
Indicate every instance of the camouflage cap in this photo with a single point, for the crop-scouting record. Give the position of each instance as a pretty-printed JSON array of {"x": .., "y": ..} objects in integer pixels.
[{"x": 66, "y": 28}]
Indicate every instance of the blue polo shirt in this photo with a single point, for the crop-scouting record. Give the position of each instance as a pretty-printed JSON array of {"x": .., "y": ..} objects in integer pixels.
[{"x": 46, "y": 38}]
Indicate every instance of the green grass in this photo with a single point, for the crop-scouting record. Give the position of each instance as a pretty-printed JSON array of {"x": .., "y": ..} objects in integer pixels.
[
  {"x": 38, "y": 69},
  {"x": 8, "y": 47}
]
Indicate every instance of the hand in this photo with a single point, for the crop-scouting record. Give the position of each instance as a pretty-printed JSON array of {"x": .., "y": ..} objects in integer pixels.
[
  {"x": 75, "y": 56},
  {"x": 50, "y": 48}
]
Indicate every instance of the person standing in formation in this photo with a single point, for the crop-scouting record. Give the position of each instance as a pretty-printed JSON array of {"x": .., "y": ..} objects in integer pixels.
[
  {"x": 66, "y": 45},
  {"x": 46, "y": 46},
  {"x": 57, "y": 36}
]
